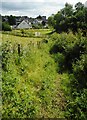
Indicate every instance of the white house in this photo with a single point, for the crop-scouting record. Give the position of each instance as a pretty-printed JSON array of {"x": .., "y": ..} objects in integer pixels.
[{"x": 24, "y": 25}]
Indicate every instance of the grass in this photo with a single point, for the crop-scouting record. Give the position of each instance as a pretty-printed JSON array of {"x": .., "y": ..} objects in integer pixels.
[
  {"x": 34, "y": 80},
  {"x": 34, "y": 33},
  {"x": 18, "y": 39}
]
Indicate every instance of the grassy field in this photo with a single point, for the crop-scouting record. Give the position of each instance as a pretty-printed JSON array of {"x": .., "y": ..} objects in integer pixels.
[
  {"x": 31, "y": 85},
  {"x": 15, "y": 39},
  {"x": 18, "y": 39},
  {"x": 34, "y": 33}
]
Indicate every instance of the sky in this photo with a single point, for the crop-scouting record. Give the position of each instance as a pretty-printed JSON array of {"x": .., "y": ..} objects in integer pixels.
[{"x": 33, "y": 8}]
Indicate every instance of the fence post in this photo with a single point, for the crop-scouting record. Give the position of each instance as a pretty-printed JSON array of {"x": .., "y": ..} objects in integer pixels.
[{"x": 19, "y": 49}]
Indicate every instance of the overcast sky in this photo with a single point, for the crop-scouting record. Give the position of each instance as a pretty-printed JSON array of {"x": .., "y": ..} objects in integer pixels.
[{"x": 33, "y": 8}]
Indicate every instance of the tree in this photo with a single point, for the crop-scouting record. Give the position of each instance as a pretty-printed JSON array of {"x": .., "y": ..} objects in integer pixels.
[
  {"x": 39, "y": 17},
  {"x": 81, "y": 15},
  {"x": 43, "y": 23},
  {"x": 79, "y": 6},
  {"x": 0, "y": 22},
  {"x": 6, "y": 26},
  {"x": 67, "y": 10},
  {"x": 12, "y": 20},
  {"x": 67, "y": 18},
  {"x": 58, "y": 18},
  {"x": 51, "y": 21}
]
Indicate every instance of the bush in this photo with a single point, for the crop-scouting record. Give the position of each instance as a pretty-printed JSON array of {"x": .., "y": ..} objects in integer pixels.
[
  {"x": 70, "y": 53},
  {"x": 79, "y": 71},
  {"x": 6, "y": 27},
  {"x": 60, "y": 59},
  {"x": 71, "y": 46},
  {"x": 76, "y": 108}
]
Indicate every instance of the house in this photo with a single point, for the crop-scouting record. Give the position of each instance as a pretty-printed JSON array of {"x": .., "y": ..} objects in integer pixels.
[
  {"x": 24, "y": 25},
  {"x": 18, "y": 20},
  {"x": 40, "y": 20},
  {"x": 35, "y": 22},
  {"x": 24, "y": 22}
]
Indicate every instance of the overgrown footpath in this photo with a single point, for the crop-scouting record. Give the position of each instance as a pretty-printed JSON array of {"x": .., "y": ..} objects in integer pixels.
[
  {"x": 45, "y": 78},
  {"x": 30, "y": 82}
]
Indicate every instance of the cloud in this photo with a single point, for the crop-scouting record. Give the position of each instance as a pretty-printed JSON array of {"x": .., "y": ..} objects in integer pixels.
[
  {"x": 19, "y": 6},
  {"x": 34, "y": 8},
  {"x": 57, "y": 1},
  {"x": 86, "y": 4},
  {"x": 31, "y": 1},
  {"x": 30, "y": 8}
]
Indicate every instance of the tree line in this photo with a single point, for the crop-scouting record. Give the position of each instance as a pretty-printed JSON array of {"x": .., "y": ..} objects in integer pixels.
[
  {"x": 70, "y": 19},
  {"x": 6, "y": 22}
]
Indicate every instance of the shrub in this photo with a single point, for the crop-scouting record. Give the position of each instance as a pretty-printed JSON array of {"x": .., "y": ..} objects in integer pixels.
[
  {"x": 70, "y": 52},
  {"x": 6, "y": 26}
]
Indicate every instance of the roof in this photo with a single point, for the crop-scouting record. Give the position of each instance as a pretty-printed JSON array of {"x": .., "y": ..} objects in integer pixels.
[{"x": 24, "y": 25}]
